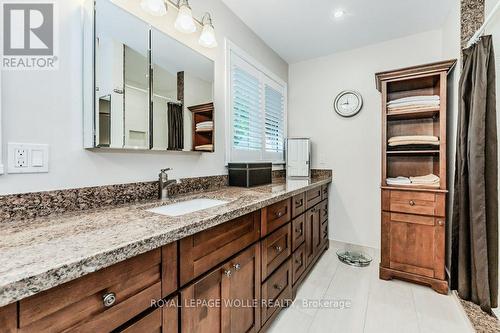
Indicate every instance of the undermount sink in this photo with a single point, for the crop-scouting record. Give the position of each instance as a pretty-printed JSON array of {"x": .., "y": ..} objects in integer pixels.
[{"x": 186, "y": 207}]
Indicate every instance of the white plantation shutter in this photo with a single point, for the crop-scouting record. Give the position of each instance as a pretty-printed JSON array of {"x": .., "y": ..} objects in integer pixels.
[
  {"x": 274, "y": 121},
  {"x": 257, "y": 114}
]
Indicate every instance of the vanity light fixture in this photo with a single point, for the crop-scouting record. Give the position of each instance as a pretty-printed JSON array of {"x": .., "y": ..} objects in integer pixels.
[
  {"x": 185, "y": 22},
  {"x": 207, "y": 37},
  {"x": 154, "y": 7}
]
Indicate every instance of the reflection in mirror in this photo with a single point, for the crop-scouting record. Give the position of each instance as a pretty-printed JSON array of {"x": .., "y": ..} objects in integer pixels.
[
  {"x": 122, "y": 78},
  {"x": 182, "y": 79}
]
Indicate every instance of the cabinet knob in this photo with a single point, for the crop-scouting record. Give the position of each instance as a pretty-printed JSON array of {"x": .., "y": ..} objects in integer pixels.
[
  {"x": 237, "y": 267},
  {"x": 299, "y": 231},
  {"x": 412, "y": 203},
  {"x": 298, "y": 262},
  {"x": 279, "y": 214},
  {"x": 440, "y": 223},
  {"x": 108, "y": 299},
  {"x": 299, "y": 202},
  {"x": 278, "y": 248},
  {"x": 228, "y": 273},
  {"x": 278, "y": 287}
]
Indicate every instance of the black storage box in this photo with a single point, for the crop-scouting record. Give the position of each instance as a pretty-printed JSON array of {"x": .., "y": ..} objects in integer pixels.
[{"x": 250, "y": 174}]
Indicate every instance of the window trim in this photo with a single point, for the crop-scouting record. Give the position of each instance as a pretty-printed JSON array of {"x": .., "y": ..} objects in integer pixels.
[{"x": 229, "y": 47}]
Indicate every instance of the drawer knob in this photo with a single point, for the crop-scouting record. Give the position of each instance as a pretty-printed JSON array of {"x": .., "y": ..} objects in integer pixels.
[
  {"x": 108, "y": 299},
  {"x": 237, "y": 267},
  {"x": 299, "y": 202},
  {"x": 279, "y": 214},
  {"x": 440, "y": 223},
  {"x": 412, "y": 203},
  {"x": 278, "y": 248},
  {"x": 278, "y": 287},
  {"x": 299, "y": 231},
  {"x": 228, "y": 273},
  {"x": 298, "y": 262}
]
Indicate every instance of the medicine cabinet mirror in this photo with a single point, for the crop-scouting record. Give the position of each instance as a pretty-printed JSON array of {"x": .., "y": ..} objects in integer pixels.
[{"x": 149, "y": 91}]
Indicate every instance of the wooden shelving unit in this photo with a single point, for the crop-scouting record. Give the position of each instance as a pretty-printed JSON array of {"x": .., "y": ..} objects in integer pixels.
[
  {"x": 414, "y": 217},
  {"x": 202, "y": 113}
]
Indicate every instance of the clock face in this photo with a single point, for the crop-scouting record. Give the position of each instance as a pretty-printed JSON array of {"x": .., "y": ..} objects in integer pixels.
[{"x": 348, "y": 103}]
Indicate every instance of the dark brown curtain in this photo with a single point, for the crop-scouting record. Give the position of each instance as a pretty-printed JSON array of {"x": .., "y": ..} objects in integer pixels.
[
  {"x": 474, "y": 268},
  {"x": 175, "y": 127}
]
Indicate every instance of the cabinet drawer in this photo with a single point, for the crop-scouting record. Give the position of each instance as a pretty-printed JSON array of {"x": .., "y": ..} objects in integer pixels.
[
  {"x": 298, "y": 231},
  {"x": 277, "y": 290},
  {"x": 298, "y": 263},
  {"x": 151, "y": 323},
  {"x": 79, "y": 305},
  {"x": 276, "y": 249},
  {"x": 324, "y": 192},
  {"x": 298, "y": 204},
  {"x": 275, "y": 216},
  {"x": 313, "y": 197},
  {"x": 205, "y": 250},
  {"x": 414, "y": 202}
]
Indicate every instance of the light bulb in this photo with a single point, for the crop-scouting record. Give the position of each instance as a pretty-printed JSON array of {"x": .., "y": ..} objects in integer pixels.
[
  {"x": 154, "y": 7},
  {"x": 207, "y": 37},
  {"x": 184, "y": 22}
]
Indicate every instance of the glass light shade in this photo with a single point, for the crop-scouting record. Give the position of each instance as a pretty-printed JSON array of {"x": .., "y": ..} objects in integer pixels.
[
  {"x": 154, "y": 7},
  {"x": 184, "y": 22},
  {"x": 207, "y": 37}
]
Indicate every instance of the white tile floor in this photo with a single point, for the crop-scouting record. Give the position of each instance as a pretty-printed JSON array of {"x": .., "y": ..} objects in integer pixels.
[{"x": 375, "y": 305}]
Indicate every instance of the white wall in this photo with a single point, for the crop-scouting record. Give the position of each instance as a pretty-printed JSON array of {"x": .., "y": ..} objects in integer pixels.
[
  {"x": 351, "y": 146},
  {"x": 46, "y": 107}
]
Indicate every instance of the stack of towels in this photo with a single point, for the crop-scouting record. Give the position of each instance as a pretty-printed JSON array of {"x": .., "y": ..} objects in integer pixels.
[
  {"x": 413, "y": 141},
  {"x": 205, "y": 126},
  {"x": 426, "y": 181},
  {"x": 413, "y": 103},
  {"x": 204, "y": 147}
]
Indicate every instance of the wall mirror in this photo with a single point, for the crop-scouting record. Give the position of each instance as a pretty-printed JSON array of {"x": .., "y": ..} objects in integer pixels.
[{"x": 151, "y": 92}]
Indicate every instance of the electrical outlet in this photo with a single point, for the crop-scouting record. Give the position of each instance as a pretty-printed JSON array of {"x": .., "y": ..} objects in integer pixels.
[
  {"x": 28, "y": 158},
  {"x": 21, "y": 158}
]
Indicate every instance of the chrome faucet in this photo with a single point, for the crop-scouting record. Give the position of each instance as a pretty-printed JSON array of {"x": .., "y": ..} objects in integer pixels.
[{"x": 164, "y": 183}]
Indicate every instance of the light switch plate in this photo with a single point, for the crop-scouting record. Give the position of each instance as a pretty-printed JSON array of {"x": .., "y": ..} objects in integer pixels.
[{"x": 28, "y": 158}]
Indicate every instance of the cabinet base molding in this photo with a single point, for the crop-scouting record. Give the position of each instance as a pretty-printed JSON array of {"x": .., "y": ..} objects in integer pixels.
[{"x": 439, "y": 286}]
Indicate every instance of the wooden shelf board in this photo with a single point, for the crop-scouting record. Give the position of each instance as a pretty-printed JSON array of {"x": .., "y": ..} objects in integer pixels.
[
  {"x": 204, "y": 130},
  {"x": 414, "y": 188},
  {"x": 414, "y": 114},
  {"x": 413, "y": 152}
]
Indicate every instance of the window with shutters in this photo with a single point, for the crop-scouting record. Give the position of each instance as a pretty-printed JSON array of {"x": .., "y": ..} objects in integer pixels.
[{"x": 257, "y": 111}]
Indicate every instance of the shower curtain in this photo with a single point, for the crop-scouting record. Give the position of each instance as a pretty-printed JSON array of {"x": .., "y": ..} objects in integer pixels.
[
  {"x": 474, "y": 267},
  {"x": 175, "y": 127}
]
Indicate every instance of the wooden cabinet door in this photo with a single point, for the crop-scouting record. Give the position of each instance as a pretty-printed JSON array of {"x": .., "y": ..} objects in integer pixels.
[
  {"x": 222, "y": 301},
  {"x": 414, "y": 244},
  {"x": 200, "y": 304},
  {"x": 313, "y": 234},
  {"x": 241, "y": 290}
]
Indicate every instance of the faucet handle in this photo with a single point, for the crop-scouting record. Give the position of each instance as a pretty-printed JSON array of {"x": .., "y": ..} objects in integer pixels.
[{"x": 165, "y": 170}]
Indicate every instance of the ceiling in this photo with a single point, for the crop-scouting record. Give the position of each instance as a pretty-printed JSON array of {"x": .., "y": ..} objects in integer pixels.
[{"x": 301, "y": 30}]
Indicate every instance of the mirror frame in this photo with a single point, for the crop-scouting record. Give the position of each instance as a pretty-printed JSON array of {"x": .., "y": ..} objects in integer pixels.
[{"x": 89, "y": 82}]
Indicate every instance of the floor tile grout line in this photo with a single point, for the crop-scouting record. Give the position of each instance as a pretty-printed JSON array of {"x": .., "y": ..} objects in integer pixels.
[
  {"x": 370, "y": 285},
  {"x": 413, "y": 300}
]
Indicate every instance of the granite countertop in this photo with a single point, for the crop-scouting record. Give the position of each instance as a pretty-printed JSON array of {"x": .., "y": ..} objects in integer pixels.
[{"x": 42, "y": 253}]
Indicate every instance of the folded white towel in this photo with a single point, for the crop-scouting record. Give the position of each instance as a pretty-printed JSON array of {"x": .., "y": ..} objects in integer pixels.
[
  {"x": 398, "y": 181},
  {"x": 205, "y": 123},
  {"x": 415, "y": 99},
  {"x": 423, "y": 180},
  {"x": 426, "y": 138}
]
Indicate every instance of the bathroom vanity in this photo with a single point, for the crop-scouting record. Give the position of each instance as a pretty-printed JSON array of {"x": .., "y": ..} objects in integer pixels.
[{"x": 230, "y": 268}]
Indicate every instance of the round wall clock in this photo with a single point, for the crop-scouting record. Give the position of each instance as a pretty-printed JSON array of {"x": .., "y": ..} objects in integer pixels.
[{"x": 348, "y": 103}]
